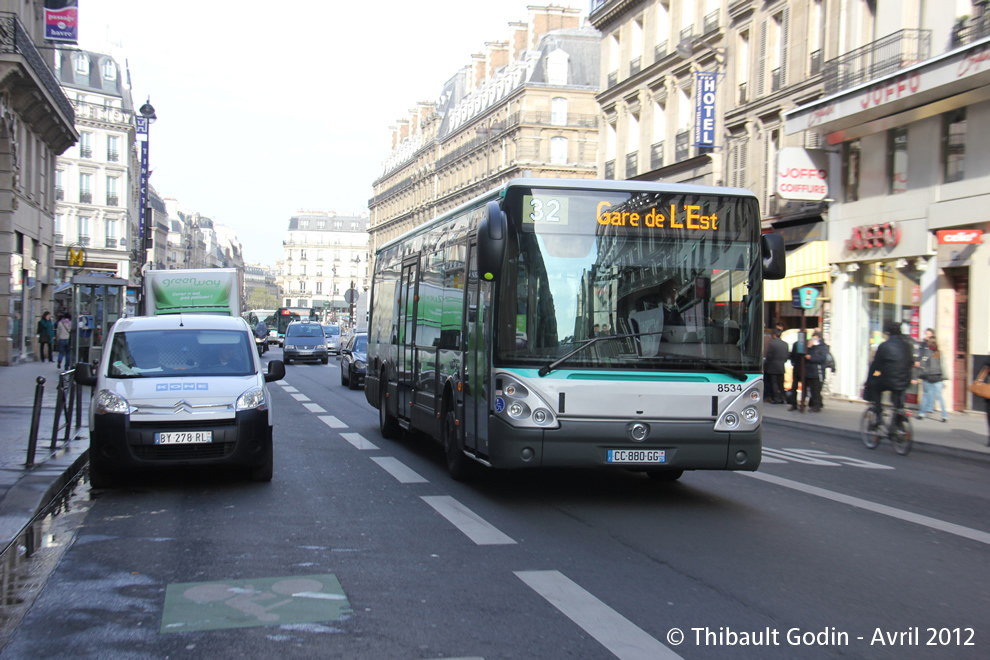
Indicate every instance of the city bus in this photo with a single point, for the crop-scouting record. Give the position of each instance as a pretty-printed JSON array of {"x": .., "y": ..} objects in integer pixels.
[
  {"x": 286, "y": 315},
  {"x": 569, "y": 323}
]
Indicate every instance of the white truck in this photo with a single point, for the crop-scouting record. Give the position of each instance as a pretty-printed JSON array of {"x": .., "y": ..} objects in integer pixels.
[{"x": 192, "y": 291}]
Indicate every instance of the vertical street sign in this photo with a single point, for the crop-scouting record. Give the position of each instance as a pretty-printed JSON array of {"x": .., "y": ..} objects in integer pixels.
[
  {"x": 142, "y": 136},
  {"x": 704, "y": 109}
]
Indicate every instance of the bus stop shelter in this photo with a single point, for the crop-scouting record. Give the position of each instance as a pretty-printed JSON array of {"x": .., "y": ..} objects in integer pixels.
[{"x": 97, "y": 302}]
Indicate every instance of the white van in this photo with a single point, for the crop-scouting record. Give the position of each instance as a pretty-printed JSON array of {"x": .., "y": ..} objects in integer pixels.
[{"x": 182, "y": 389}]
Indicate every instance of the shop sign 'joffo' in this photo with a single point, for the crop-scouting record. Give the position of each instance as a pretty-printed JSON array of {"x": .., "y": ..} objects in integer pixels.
[
  {"x": 869, "y": 237},
  {"x": 959, "y": 236},
  {"x": 802, "y": 174}
]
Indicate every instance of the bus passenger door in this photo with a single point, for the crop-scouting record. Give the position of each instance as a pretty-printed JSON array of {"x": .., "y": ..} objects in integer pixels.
[
  {"x": 407, "y": 344},
  {"x": 476, "y": 358}
]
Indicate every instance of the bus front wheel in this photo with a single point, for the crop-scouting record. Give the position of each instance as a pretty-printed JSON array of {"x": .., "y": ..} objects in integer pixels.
[
  {"x": 459, "y": 465},
  {"x": 389, "y": 425}
]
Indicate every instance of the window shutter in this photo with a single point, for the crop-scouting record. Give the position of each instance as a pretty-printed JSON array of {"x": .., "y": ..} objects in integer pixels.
[
  {"x": 762, "y": 64},
  {"x": 785, "y": 23},
  {"x": 742, "y": 163}
]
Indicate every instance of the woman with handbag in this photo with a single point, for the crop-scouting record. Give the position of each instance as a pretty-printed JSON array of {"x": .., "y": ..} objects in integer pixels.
[
  {"x": 931, "y": 377},
  {"x": 980, "y": 387}
]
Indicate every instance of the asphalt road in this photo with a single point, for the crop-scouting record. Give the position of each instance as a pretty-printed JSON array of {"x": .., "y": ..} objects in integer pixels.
[{"x": 364, "y": 548}]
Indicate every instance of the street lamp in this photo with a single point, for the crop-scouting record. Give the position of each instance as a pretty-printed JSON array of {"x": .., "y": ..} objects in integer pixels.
[
  {"x": 492, "y": 129},
  {"x": 145, "y": 235}
]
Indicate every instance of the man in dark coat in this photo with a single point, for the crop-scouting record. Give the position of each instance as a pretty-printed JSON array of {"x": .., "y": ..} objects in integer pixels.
[
  {"x": 814, "y": 370},
  {"x": 891, "y": 368},
  {"x": 774, "y": 359}
]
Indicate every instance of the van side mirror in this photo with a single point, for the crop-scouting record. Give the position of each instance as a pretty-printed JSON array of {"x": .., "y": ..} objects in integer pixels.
[
  {"x": 83, "y": 374},
  {"x": 774, "y": 256},
  {"x": 276, "y": 371},
  {"x": 491, "y": 241}
]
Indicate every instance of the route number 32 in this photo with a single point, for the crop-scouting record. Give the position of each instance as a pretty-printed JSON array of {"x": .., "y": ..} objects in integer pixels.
[{"x": 545, "y": 210}]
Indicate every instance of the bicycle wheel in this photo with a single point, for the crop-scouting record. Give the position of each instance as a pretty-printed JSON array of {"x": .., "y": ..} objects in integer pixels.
[
  {"x": 902, "y": 435},
  {"x": 870, "y": 429}
]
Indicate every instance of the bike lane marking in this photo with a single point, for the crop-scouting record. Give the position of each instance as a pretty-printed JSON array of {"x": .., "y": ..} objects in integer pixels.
[
  {"x": 471, "y": 524},
  {"x": 616, "y": 633},
  {"x": 314, "y": 407},
  {"x": 300, "y": 397},
  {"x": 883, "y": 509},
  {"x": 332, "y": 422},
  {"x": 358, "y": 441},
  {"x": 403, "y": 474},
  {"x": 289, "y": 388}
]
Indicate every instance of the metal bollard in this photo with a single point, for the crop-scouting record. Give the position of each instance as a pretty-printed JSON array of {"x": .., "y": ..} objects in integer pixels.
[
  {"x": 79, "y": 390},
  {"x": 39, "y": 393},
  {"x": 59, "y": 406}
]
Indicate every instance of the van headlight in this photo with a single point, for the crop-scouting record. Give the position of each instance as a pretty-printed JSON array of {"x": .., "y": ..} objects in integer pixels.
[
  {"x": 252, "y": 400},
  {"x": 110, "y": 402}
]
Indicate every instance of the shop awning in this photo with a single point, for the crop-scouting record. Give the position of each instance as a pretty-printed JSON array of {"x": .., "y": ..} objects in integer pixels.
[{"x": 807, "y": 264}]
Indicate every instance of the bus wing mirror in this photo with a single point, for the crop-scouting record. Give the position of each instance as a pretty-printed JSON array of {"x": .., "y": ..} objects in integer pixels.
[
  {"x": 774, "y": 256},
  {"x": 491, "y": 241}
]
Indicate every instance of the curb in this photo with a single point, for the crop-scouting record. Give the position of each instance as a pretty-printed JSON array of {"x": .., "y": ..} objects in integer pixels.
[{"x": 919, "y": 445}]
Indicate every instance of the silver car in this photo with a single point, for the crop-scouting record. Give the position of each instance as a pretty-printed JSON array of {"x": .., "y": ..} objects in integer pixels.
[{"x": 332, "y": 331}]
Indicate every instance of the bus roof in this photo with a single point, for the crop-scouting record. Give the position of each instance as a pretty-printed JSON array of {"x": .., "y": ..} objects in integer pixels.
[{"x": 571, "y": 184}]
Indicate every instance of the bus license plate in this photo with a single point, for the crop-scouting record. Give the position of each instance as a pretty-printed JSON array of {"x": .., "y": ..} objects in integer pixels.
[
  {"x": 637, "y": 456},
  {"x": 183, "y": 437}
]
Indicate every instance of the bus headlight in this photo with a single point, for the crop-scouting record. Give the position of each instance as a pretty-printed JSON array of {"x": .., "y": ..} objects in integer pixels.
[
  {"x": 517, "y": 409},
  {"x": 750, "y": 414},
  {"x": 743, "y": 412},
  {"x": 518, "y": 405}
]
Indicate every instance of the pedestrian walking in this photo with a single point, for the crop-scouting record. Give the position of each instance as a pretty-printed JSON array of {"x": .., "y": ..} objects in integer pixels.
[
  {"x": 983, "y": 378},
  {"x": 798, "y": 396},
  {"x": 930, "y": 374},
  {"x": 46, "y": 333},
  {"x": 63, "y": 333},
  {"x": 773, "y": 367},
  {"x": 816, "y": 359}
]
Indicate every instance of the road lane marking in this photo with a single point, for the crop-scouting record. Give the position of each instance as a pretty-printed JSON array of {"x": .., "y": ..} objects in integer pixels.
[
  {"x": 917, "y": 518},
  {"x": 397, "y": 469},
  {"x": 300, "y": 397},
  {"x": 289, "y": 388},
  {"x": 474, "y": 526},
  {"x": 314, "y": 407},
  {"x": 333, "y": 422},
  {"x": 358, "y": 440},
  {"x": 817, "y": 457},
  {"x": 612, "y": 630}
]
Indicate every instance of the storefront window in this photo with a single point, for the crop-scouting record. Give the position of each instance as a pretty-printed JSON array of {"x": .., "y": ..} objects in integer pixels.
[
  {"x": 898, "y": 161},
  {"x": 850, "y": 170}
]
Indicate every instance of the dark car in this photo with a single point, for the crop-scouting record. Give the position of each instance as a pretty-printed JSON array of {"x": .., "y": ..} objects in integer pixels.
[
  {"x": 353, "y": 360},
  {"x": 304, "y": 340}
]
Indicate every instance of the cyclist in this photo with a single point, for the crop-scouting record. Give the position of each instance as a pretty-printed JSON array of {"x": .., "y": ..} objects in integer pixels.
[{"x": 890, "y": 370}]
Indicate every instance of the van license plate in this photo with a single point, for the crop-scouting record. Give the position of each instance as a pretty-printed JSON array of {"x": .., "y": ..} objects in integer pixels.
[
  {"x": 637, "y": 456},
  {"x": 183, "y": 437}
]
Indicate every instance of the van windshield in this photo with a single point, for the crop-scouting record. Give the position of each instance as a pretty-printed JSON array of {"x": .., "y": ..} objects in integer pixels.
[{"x": 185, "y": 352}]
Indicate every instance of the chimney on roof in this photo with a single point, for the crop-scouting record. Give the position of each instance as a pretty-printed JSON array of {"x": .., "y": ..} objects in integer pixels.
[
  {"x": 518, "y": 43},
  {"x": 403, "y": 129},
  {"x": 496, "y": 57},
  {"x": 551, "y": 17},
  {"x": 476, "y": 74}
]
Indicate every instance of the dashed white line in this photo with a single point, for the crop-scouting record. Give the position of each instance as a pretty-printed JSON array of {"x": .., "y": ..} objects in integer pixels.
[
  {"x": 300, "y": 397},
  {"x": 397, "y": 469},
  {"x": 289, "y": 388},
  {"x": 314, "y": 407},
  {"x": 332, "y": 422},
  {"x": 612, "y": 630},
  {"x": 358, "y": 440},
  {"x": 933, "y": 523},
  {"x": 474, "y": 526}
]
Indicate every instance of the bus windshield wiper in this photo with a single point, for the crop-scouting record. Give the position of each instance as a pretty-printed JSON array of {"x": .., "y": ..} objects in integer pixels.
[
  {"x": 585, "y": 344},
  {"x": 704, "y": 362}
]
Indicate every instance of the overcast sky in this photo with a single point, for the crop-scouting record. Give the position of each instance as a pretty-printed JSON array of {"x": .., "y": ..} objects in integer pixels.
[{"x": 267, "y": 108}]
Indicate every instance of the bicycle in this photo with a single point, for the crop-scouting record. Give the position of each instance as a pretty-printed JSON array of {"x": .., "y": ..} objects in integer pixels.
[{"x": 898, "y": 431}]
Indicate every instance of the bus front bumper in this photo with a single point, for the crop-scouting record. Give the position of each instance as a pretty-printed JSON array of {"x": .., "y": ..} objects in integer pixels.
[{"x": 585, "y": 443}]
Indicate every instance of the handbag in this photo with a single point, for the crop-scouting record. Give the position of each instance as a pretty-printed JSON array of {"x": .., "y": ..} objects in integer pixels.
[{"x": 979, "y": 387}]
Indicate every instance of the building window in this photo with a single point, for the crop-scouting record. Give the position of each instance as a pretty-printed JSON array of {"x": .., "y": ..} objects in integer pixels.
[
  {"x": 354, "y": 226},
  {"x": 850, "y": 170},
  {"x": 302, "y": 255},
  {"x": 558, "y": 150},
  {"x": 321, "y": 224},
  {"x": 82, "y": 64},
  {"x": 109, "y": 70},
  {"x": 557, "y": 67},
  {"x": 112, "y": 199},
  {"x": 113, "y": 148},
  {"x": 59, "y": 185},
  {"x": 898, "y": 161},
  {"x": 338, "y": 225},
  {"x": 742, "y": 68},
  {"x": 85, "y": 144},
  {"x": 663, "y": 30},
  {"x": 86, "y": 188},
  {"x": 319, "y": 287},
  {"x": 83, "y": 230},
  {"x": 558, "y": 111},
  {"x": 303, "y": 223},
  {"x": 954, "y": 145}
]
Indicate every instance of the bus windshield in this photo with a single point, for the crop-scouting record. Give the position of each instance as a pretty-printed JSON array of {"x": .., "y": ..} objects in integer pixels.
[{"x": 668, "y": 280}]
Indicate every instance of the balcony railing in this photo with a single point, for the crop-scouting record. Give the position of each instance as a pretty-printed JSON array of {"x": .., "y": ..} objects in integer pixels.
[
  {"x": 59, "y": 193},
  {"x": 687, "y": 33},
  {"x": 776, "y": 79},
  {"x": 610, "y": 169},
  {"x": 59, "y": 239},
  {"x": 635, "y": 65},
  {"x": 613, "y": 78},
  {"x": 84, "y": 240},
  {"x": 660, "y": 51},
  {"x": 743, "y": 93},
  {"x": 112, "y": 200},
  {"x": 85, "y": 152},
  {"x": 682, "y": 146},
  {"x": 111, "y": 243},
  {"x": 632, "y": 163},
  {"x": 656, "y": 155},
  {"x": 711, "y": 22},
  {"x": 877, "y": 59},
  {"x": 14, "y": 38},
  {"x": 113, "y": 156},
  {"x": 816, "y": 63},
  {"x": 85, "y": 197},
  {"x": 971, "y": 29}
]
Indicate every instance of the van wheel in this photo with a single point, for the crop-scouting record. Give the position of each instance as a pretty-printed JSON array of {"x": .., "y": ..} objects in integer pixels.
[
  {"x": 461, "y": 467},
  {"x": 264, "y": 471},
  {"x": 388, "y": 425}
]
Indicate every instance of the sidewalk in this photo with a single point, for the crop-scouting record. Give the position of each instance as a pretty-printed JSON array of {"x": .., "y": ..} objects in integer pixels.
[
  {"x": 26, "y": 491},
  {"x": 965, "y": 434}
]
